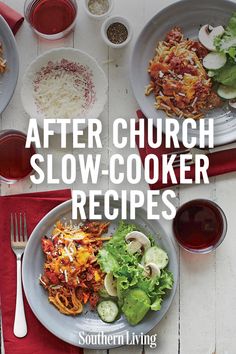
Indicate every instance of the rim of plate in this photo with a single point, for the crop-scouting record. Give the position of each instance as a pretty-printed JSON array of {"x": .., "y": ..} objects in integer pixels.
[
  {"x": 16, "y": 54},
  {"x": 41, "y": 319}
]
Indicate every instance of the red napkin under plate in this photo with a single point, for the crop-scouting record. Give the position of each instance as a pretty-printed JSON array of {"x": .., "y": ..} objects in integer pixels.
[
  {"x": 12, "y": 17},
  {"x": 219, "y": 162},
  {"x": 38, "y": 340}
]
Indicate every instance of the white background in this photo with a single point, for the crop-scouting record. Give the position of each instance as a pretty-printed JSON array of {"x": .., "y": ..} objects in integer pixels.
[{"x": 202, "y": 319}]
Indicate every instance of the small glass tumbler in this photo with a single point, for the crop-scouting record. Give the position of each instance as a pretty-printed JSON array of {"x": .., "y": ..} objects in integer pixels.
[
  {"x": 200, "y": 226},
  {"x": 51, "y": 19},
  {"x": 14, "y": 156}
]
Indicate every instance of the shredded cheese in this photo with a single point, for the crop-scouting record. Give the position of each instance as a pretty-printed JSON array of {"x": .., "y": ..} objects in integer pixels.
[
  {"x": 63, "y": 90},
  {"x": 57, "y": 97},
  {"x": 40, "y": 279},
  {"x": 68, "y": 254},
  {"x": 66, "y": 276},
  {"x": 56, "y": 287}
]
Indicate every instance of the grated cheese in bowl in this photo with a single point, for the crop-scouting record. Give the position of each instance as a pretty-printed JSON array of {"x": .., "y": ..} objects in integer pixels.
[
  {"x": 63, "y": 89},
  {"x": 64, "y": 83}
]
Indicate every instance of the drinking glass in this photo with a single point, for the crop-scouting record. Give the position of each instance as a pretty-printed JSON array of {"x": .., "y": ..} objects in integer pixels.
[
  {"x": 51, "y": 19},
  {"x": 14, "y": 157},
  {"x": 200, "y": 226}
]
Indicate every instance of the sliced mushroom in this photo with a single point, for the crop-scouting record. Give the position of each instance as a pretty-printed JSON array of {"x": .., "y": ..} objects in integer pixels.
[
  {"x": 134, "y": 247},
  {"x": 138, "y": 242},
  {"x": 217, "y": 31},
  {"x": 207, "y": 35},
  {"x": 232, "y": 103},
  {"x": 110, "y": 284},
  {"x": 152, "y": 270}
]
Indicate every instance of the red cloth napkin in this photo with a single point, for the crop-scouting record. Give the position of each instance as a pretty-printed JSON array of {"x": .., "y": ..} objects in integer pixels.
[
  {"x": 38, "y": 340},
  {"x": 219, "y": 162},
  {"x": 12, "y": 17}
]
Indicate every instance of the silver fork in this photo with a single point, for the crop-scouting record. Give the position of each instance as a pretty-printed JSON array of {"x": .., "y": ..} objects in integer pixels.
[
  {"x": 179, "y": 153},
  {"x": 19, "y": 239},
  {"x": 194, "y": 152}
]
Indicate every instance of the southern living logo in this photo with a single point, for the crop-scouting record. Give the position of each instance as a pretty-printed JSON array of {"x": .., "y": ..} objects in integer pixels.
[{"x": 130, "y": 338}]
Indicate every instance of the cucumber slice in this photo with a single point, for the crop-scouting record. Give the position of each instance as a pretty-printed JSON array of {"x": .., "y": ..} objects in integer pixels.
[
  {"x": 226, "y": 92},
  {"x": 214, "y": 61},
  {"x": 108, "y": 311},
  {"x": 157, "y": 256}
]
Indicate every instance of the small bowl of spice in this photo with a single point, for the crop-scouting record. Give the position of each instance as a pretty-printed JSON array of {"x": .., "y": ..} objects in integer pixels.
[
  {"x": 116, "y": 32},
  {"x": 98, "y": 9}
]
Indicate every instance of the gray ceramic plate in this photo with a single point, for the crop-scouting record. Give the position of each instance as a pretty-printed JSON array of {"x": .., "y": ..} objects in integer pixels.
[
  {"x": 189, "y": 15},
  {"x": 8, "y": 80},
  {"x": 68, "y": 328}
]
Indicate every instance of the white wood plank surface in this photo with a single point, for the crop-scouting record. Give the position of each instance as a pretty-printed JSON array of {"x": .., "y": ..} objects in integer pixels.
[
  {"x": 225, "y": 301},
  {"x": 197, "y": 290},
  {"x": 201, "y": 319}
]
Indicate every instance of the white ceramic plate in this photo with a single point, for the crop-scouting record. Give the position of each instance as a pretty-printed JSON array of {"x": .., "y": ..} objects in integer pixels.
[
  {"x": 189, "y": 15},
  {"x": 73, "y": 55},
  {"x": 8, "y": 80},
  {"x": 68, "y": 328}
]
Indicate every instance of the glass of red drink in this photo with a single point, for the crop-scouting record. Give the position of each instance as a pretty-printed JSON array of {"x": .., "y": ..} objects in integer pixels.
[
  {"x": 51, "y": 19},
  {"x": 200, "y": 226},
  {"x": 14, "y": 157}
]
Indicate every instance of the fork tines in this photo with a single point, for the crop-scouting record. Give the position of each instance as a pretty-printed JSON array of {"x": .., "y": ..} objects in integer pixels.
[
  {"x": 18, "y": 229},
  {"x": 178, "y": 154}
]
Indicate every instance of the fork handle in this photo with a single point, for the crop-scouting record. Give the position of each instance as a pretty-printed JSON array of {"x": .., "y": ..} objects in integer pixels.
[{"x": 20, "y": 326}]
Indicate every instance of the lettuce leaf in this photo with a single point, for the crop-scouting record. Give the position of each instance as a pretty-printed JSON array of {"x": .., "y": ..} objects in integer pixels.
[
  {"x": 106, "y": 261},
  {"x": 156, "y": 305},
  {"x": 166, "y": 282},
  {"x": 226, "y": 75},
  {"x": 227, "y": 42}
]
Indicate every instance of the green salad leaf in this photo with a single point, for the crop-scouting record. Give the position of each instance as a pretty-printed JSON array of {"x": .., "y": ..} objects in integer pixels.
[
  {"x": 227, "y": 42},
  {"x": 156, "y": 305},
  {"x": 129, "y": 273},
  {"x": 226, "y": 75},
  {"x": 107, "y": 262}
]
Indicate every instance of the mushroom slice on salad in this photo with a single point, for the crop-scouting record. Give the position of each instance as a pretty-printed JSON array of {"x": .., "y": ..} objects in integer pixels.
[
  {"x": 137, "y": 242},
  {"x": 110, "y": 284},
  {"x": 152, "y": 270},
  {"x": 207, "y": 35},
  {"x": 232, "y": 103}
]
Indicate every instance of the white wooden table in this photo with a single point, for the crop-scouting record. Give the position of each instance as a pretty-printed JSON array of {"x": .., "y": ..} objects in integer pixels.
[{"x": 202, "y": 319}]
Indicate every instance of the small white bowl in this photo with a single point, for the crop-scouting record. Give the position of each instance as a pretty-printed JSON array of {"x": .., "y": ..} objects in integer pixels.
[
  {"x": 74, "y": 55},
  {"x": 109, "y": 22},
  {"x": 98, "y": 17}
]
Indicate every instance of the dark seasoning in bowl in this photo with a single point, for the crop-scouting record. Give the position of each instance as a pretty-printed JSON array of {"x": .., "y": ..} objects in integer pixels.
[{"x": 117, "y": 33}]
